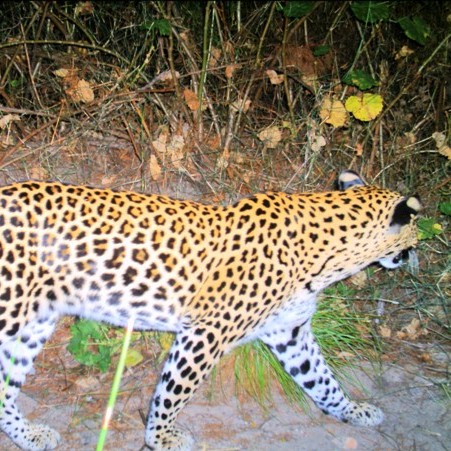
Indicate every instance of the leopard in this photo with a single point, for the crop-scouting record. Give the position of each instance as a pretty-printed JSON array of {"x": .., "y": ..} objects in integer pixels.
[{"x": 216, "y": 276}]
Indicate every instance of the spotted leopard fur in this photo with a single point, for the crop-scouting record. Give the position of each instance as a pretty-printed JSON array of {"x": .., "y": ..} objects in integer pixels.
[{"x": 215, "y": 276}]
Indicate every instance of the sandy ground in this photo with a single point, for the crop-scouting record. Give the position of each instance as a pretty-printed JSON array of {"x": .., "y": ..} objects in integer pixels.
[{"x": 418, "y": 416}]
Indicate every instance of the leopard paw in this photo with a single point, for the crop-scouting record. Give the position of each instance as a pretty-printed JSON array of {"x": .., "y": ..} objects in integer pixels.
[
  {"x": 37, "y": 437},
  {"x": 171, "y": 440}
]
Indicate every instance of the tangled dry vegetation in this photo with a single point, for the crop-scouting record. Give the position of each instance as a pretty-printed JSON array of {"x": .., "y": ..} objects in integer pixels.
[{"x": 215, "y": 100}]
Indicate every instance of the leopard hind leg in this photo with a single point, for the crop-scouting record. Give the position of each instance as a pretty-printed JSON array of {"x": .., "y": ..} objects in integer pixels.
[
  {"x": 17, "y": 355},
  {"x": 300, "y": 355}
]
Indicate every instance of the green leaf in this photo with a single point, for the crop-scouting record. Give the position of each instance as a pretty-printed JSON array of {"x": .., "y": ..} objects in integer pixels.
[
  {"x": 361, "y": 79},
  {"x": 428, "y": 228},
  {"x": 321, "y": 50},
  {"x": 163, "y": 26},
  {"x": 445, "y": 208},
  {"x": 87, "y": 346},
  {"x": 297, "y": 9},
  {"x": 415, "y": 28},
  {"x": 371, "y": 12}
]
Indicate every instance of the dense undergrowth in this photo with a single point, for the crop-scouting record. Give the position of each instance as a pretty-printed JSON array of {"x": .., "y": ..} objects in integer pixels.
[{"x": 216, "y": 100}]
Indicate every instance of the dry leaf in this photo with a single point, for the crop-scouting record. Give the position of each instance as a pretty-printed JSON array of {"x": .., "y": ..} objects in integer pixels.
[
  {"x": 160, "y": 144},
  {"x": 359, "y": 149},
  {"x": 270, "y": 136},
  {"x": 86, "y": 382},
  {"x": 223, "y": 161},
  {"x": 359, "y": 279},
  {"x": 81, "y": 92},
  {"x": 154, "y": 168},
  {"x": 238, "y": 105},
  {"x": 333, "y": 112},
  {"x": 109, "y": 180},
  {"x": 84, "y": 9},
  {"x": 230, "y": 69},
  {"x": 440, "y": 143},
  {"x": 215, "y": 55},
  {"x": 192, "y": 100},
  {"x": 403, "y": 52},
  {"x": 7, "y": 118},
  {"x": 412, "y": 331},
  {"x": 229, "y": 49},
  {"x": 62, "y": 73},
  {"x": 445, "y": 151},
  {"x": 274, "y": 77},
  {"x": 385, "y": 332},
  {"x": 213, "y": 142},
  {"x": 317, "y": 142},
  {"x": 38, "y": 173},
  {"x": 176, "y": 150},
  {"x": 439, "y": 138},
  {"x": 410, "y": 138},
  {"x": 165, "y": 77}
]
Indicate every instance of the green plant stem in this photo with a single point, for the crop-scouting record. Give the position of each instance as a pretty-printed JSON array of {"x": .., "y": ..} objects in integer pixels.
[
  {"x": 115, "y": 386},
  {"x": 428, "y": 60},
  {"x": 262, "y": 38}
]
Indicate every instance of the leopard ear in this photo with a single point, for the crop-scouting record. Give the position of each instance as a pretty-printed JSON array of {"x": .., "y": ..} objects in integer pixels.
[
  {"x": 408, "y": 207},
  {"x": 348, "y": 179}
]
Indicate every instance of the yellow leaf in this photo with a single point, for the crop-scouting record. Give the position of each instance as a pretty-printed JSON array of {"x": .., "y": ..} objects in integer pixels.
[
  {"x": 333, "y": 112},
  {"x": 133, "y": 358},
  {"x": 445, "y": 151},
  {"x": 165, "y": 340},
  {"x": 365, "y": 108}
]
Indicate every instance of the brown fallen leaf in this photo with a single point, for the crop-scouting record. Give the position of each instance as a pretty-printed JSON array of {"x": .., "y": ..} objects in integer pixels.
[
  {"x": 270, "y": 136},
  {"x": 274, "y": 77},
  {"x": 154, "y": 168}
]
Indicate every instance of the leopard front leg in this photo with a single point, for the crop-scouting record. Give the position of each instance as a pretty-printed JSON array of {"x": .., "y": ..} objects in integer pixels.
[
  {"x": 16, "y": 361},
  {"x": 301, "y": 357},
  {"x": 192, "y": 356}
]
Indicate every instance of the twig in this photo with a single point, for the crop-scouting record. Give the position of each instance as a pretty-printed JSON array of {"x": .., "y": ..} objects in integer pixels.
[
  {"x": 5, "y": 109},
  {"x": 65, "y": 43}
]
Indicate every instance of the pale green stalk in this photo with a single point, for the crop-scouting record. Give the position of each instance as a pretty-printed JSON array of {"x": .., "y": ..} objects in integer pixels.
[{"x": 115, "y": 387}]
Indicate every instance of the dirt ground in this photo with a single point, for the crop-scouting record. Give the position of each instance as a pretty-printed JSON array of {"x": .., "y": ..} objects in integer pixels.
[{"x": 417, "y": 414}]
